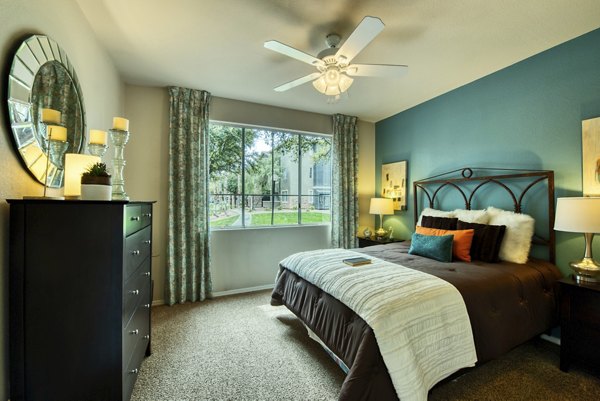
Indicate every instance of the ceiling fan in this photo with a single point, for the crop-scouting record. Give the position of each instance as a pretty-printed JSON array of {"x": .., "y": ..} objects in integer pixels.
[{"x": 333, "y": 64}]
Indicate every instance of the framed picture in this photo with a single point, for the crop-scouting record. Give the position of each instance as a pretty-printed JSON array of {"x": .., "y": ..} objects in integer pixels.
[
  {"x": 590, "y": 142},
  {"x": 393, "y": 183}
]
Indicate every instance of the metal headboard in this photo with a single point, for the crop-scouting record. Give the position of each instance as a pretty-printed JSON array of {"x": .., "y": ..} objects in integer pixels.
[{"x": 458, "y": 179}]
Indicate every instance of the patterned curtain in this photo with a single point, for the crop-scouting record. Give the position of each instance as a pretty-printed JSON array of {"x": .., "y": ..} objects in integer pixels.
[
  {"x": 345, "y": 172},
  {"x": 188, "y": 259}
]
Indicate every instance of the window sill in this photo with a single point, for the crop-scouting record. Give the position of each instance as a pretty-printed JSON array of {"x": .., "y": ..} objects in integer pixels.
[{"x": 221, "y": 229}]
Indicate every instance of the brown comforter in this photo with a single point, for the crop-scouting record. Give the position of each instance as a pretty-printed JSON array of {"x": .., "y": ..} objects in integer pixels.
[{"x": 507, "y": 303}]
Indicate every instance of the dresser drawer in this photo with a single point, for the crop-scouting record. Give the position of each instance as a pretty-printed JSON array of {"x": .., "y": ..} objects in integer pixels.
[
  {"x": 146, "y": 215},
  {"x": 131, "y": 371},
  {"x": 133, "y": 218},
  {"x": 136, "y": 329},
  {"x": 136, "y": 292},
  {"x": 137, "y": 249}
]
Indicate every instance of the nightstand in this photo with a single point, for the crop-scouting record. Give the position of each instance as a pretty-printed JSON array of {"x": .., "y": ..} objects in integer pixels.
[
  {"x": 579, "y": 323},
  {"x": 364, "y": 242}
]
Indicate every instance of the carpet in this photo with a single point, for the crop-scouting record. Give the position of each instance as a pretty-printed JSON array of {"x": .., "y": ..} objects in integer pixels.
[{"x": 241, "y": 348}]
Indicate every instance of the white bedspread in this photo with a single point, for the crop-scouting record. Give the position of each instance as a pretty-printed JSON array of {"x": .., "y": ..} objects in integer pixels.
[{"x": 420, "y": 321}]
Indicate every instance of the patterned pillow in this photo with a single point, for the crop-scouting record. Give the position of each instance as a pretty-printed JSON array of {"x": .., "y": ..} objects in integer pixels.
[{"x": 432, "y": 246}]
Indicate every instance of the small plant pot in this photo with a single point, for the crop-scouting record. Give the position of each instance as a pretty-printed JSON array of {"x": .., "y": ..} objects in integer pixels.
[{"x": 96, "y": 188}]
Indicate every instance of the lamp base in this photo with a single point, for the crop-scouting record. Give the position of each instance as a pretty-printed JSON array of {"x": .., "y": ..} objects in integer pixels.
[
  {"x": 381, "y": 233},
  {"x": 586, "y": 270}
]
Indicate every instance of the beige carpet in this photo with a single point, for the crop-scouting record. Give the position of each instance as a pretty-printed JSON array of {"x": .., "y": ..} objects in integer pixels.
[{"x": 241, "y": 348}]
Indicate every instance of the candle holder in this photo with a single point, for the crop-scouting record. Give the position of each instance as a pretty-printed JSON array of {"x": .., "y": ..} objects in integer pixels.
[
  {"x": 57, "y": 151},
  {"x": 97, "y": 149},
  {"x": 55, "y": 154},
  {"x": 119, "y": 138}
]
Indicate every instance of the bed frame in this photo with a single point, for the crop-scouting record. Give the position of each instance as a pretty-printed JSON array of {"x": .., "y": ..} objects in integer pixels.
[{"x": 469, "y": 180}]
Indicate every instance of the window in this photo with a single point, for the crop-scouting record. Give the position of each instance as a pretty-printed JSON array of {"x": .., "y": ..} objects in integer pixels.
[{"x": 262, "y": 177}]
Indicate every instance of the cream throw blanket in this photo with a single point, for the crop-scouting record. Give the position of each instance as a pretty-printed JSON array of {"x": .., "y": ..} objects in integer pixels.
[{"x": 420, "y": 321}]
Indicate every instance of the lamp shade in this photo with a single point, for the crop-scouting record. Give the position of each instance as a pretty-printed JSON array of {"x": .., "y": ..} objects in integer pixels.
[
  {"x": 381, "y": 206},
  {"x": 332, "y": 83},
  {"x": 578, "y": 215},
  {"x": 75, "y": 165}
]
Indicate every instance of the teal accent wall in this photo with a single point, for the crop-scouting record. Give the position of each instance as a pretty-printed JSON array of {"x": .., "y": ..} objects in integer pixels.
[{"x": 526, "y": 116}]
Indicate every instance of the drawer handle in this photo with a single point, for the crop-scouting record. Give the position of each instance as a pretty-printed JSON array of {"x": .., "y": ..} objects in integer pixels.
[
  {"x": 147, "y": 242},
  {"x": 135, "y": 218},
  {"x": 147, "y": 306},
  {"x": 133, "y": 371},
  {"x": 136, "y": 252},
  {"x": 134, "y": 332},
  {"x": 147, "y": 337},
  {"x": 147, "y": 215},
  {"x": 147, "y": 274},
  {"x": 134, "y": 292}
]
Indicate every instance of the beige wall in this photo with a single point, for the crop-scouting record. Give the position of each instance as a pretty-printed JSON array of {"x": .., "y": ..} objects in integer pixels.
[
  {"x": 366, "y": 173},
  {"x": 230, "y": 110},
  {"x": 103, "y": 98},
  {"x": 146, "y": 172},
  {"x": 241, "y": 259}
]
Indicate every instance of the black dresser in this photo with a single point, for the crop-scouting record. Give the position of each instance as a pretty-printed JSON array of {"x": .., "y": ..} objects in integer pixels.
[{"x": 80, "y": 297}]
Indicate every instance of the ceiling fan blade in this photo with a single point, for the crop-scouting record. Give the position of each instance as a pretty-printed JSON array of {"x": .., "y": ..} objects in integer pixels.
[
  {"x": 364, "y": 33},
  {"x": 377, "y": 70},
  {"x": 291, "y": 52},
  {"x": 297, "y": 82}
]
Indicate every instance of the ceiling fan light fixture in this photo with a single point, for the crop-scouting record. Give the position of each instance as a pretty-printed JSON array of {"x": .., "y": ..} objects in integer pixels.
[
  {"x": 332, "y": 76},
  {"x": 334, "y": 69},
  {"x": 333, "y": 87},
  {"x": 332, "y": 90},
  {"x": 320, "y": 84},
  {"x": 345, "y": 82}
]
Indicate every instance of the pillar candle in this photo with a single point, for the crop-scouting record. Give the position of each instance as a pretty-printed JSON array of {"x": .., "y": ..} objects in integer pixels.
[
  {"x": 121, "y": 123},
  {"x": 50, "y": 116},
  {"x": 57, "y": 133},
  {"x": 98, "y": 136}
]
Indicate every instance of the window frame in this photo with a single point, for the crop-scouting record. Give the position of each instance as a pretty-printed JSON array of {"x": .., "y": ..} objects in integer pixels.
[{"x": 299, "y": 196}]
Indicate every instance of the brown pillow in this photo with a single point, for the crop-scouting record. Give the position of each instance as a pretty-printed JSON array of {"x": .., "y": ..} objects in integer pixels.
[
  {"x": 486, "y": 241},
  {"x": 444, "y": 223}
]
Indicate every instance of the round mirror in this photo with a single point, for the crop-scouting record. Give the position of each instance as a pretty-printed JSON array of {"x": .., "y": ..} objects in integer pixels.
[{"x": 41, "y": 78}]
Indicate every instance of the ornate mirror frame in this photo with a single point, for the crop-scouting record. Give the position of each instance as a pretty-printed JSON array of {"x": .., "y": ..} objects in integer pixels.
[{"x": 41, "y": 76}]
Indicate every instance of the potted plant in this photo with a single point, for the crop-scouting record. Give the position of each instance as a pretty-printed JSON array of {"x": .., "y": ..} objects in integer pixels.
[{"x": 96, "y": 183}]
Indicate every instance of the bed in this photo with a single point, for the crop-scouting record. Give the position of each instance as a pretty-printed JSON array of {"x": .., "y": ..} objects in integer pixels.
[{"x": 507, "y": 303}]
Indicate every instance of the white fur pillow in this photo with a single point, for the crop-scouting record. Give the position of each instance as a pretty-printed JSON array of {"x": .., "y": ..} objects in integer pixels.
[
  {"x": 472, "y": 216},
  {"x": 435, "y": 213},
  {"x": 517, "y": 238}
]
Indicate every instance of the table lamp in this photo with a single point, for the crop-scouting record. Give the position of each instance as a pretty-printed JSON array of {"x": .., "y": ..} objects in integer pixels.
[
  {"x": 75, "y": 165},
  {"x": 381, "y": 206},
  {"x": 581, "y": 215}
]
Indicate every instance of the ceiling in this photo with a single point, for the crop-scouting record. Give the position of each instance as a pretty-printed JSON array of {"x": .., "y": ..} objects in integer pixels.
[{"x": 217, "y": 45}]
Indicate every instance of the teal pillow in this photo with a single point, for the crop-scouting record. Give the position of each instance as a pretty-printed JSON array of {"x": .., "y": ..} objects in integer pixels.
[{"x": 438, "y": 247}]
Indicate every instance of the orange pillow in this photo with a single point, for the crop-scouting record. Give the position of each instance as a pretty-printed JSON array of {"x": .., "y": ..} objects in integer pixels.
[{"x": 461, "y": 246}]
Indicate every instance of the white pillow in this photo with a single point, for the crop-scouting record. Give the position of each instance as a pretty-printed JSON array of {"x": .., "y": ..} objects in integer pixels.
[
  {"x": 517, "y": 238},
  {"x": 472, "y": 216},
  {"x": 435, "y": 213}
]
